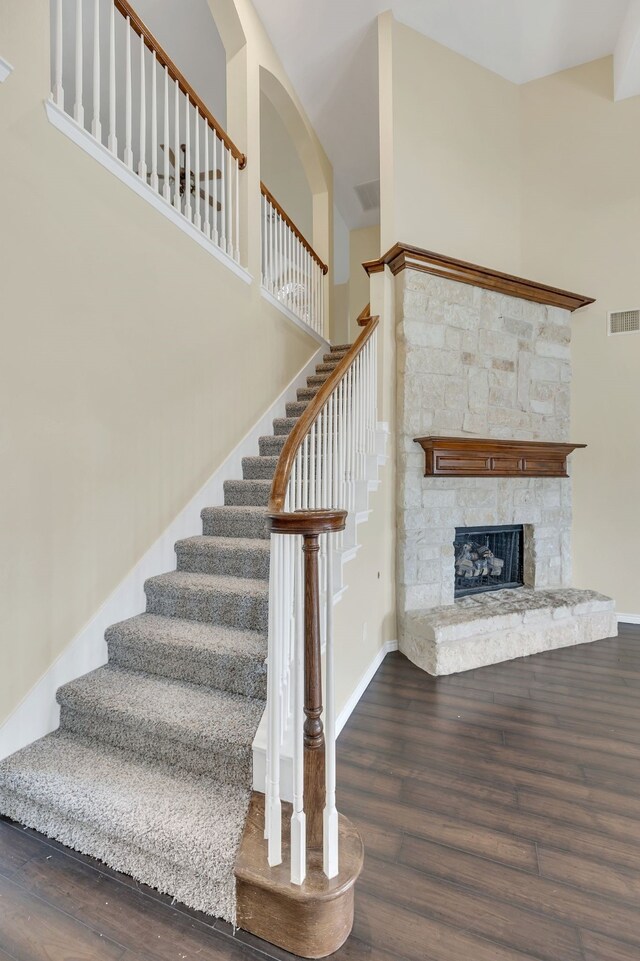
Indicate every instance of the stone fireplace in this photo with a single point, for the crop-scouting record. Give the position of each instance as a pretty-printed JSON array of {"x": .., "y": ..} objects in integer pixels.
[{"x": 484, "y": 363}]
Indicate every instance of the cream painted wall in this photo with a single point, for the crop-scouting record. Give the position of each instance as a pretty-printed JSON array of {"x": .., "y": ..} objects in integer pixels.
[
  {"x": 132, "y": 362},
  {"x": 450, "y": 151},
  {"x": 281, "y": 169},
  {"x": 364, "y": 244},
  {"x": 581, "y": 230}
]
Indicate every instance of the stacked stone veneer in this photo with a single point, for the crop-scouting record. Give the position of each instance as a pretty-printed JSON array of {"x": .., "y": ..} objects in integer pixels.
[{"x": 471, "y": 361}]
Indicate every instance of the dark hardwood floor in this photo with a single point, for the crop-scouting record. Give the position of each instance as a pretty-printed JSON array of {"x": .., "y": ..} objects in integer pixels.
[{"x": 500, "y": 811}]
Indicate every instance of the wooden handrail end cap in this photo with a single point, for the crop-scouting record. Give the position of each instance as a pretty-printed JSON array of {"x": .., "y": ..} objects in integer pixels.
[{"x": 307, "y": 522}]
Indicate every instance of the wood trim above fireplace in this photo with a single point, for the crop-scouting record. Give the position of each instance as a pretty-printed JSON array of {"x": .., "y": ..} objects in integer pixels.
[
  {"x": 486, "y": 457},
  {"x": 406, "y": 256}
]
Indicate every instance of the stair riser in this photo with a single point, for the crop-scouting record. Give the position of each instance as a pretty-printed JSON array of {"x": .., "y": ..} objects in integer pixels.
[
  {"x": 271, "y": 446},
  {"x": 283, "y": 427},
  {"x": 259, "y": 468},
  {"x": 317, "y": 380},
  {"x": 306, "y": 393},
  {"x": 246, "y": 676},
  {"x": 218, "y": 522},
  {"x": 245, "y": 612},
  {"x": 230, "y": 561},
  {"x": 246, "y": 493},
  {"x": 297, "y": 408},
  {"x": 214, "y": 760}
]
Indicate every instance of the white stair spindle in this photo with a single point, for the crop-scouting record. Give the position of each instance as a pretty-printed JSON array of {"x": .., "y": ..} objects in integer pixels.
[
  {"x": 298, "y": 820},
  {"x": 78, "y": 109},
  {"x": 330, "y": 816},
  {"x": 58, "y": 91},
  {"x": 236, "y": 209},
  {"x": 154, "y": 123},
  {"x": 128, "y": 152},
  {"x": 273, "y": 812},
  {"x": 166, "y": 135},
  {"x": 207, "y": 222},
  {"x": 112, "y": 140},
  {"x": 214, "y": 164},
  {"x": 196, "y": 149},
  {"x": 187, "y": 158},
  {"x": 142, "y": 160},
  {"x": 177, "y": 196},
  {"x": 96, "y": 128},
  {"x": 223, "y": 198},
  {"x": 229, "y": 203}
]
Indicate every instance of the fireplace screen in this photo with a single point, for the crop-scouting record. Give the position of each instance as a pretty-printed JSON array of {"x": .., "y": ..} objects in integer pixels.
[{"x": 487, "y": 559}]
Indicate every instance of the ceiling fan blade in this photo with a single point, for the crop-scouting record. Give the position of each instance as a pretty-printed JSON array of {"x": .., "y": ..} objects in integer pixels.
[
  {"x": 209, "y": 174},
  {"x": 204, "y": 197}
]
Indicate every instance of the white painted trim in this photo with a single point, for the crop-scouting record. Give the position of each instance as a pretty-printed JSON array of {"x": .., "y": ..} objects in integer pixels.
[
  {"x": 38, "y": 713},
  {"x": 628, "y": 618},
  {"x": 68, "y": 126},
  {"x": 268, "y": 296},
  {"x": 5, "y": 69},
  {"x": 363, "y": 684}
]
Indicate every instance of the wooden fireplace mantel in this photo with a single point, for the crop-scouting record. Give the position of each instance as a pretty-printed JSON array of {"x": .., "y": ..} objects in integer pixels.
[{"x": 485, "y": 457}]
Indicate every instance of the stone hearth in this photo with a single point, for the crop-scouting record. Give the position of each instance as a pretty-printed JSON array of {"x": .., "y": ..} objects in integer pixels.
[{"x": 474, "y": 362}]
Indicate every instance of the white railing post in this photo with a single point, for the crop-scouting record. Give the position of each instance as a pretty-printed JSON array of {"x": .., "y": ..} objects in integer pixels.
[
  {"x": 96, "y": 128},
  {"x": 112, "y": 140},
  {"x": 142, "y": 159},
  {"x": 330, "y": 818},
  {"x": 177, "y": 198},
  {"x": 166, "y": 134},
  {"x": 273, "y": 815},
  {"x": 78, "y": 109},
  {"x": 128, "y": 152},
  {"x": 154, "y": 123},
  {"x": 58, "y": 91}
]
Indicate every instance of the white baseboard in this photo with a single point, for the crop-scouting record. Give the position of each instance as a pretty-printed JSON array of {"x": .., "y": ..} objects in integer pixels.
[
  {"x": 628, "y": 618},
  {"x": 38, "y": 713},
  {"x": 5, "y": 69},
  {"x": 363, "y": 684}
]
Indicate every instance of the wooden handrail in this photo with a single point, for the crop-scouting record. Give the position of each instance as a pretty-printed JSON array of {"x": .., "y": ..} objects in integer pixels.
[
  {"x": 363, "y": 317},
  {"x": 289, "y": 222},
  {"x": 165, "y": 60},
  {"x": 309, "y": 417}
]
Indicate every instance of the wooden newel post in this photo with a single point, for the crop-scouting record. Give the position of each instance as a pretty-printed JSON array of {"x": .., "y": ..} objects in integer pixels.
[{"x": 310, "y": 524}]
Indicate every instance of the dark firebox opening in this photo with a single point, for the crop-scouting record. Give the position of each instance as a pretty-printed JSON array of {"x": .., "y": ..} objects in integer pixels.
[{"x": 488, "y": 558}]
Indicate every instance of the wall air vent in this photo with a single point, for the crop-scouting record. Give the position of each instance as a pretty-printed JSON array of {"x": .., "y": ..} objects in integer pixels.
[
  {"x": 623, "y": 321},
  {"x": 369, "y": 195}
]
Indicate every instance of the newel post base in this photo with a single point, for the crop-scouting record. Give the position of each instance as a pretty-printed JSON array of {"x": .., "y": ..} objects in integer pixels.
[{"x": 311, "y": 920}]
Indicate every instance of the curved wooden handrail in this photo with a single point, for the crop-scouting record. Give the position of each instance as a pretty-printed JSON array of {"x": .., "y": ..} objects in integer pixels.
[
  {"x": 363, "y": 317},
  {"x": 165, "y": 60},
  {"x": 289, "y": 222},
  {"x": 309, "y": 417}
]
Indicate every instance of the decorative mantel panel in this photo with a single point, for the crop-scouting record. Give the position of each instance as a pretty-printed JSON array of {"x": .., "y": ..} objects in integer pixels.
[{"x": 488, "y": 457}]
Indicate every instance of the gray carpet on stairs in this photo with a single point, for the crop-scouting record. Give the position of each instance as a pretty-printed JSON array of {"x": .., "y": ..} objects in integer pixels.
[{"x": 150, "y": 769}]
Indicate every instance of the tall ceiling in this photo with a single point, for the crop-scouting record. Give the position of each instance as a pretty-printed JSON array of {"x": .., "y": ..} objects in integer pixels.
[{"x": 329, "y": 50}]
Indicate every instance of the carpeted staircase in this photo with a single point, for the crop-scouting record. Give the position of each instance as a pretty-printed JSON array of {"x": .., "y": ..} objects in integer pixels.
[{"x": 150, "y": 769}]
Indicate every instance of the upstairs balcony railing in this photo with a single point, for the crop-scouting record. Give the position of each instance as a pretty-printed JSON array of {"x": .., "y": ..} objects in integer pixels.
[
  {"x": 292, "y": 271},
  {"x": 142, "y": 109}
]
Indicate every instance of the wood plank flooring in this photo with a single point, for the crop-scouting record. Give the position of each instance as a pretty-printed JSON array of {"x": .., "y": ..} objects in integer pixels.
[{"x": 500, "y": 811}]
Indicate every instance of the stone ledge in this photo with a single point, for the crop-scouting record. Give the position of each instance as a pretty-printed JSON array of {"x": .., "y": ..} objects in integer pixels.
[{"x": 502, "y": 625}]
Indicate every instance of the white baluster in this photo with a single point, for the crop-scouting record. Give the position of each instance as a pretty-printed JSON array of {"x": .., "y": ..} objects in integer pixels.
[
  {"x": 214, "y": 164},
  {"x": 223, "y": 198},
  {"x": 298, "y": 820},
  {"x": 142, "y": 160},
  {"x": 229, "y": 203},
  {"x": 207, "y": 223},
  {"x": 112, "y": 140},
  {"x": 273, "y": 823},
  {"x": 78, "y": 109},
  {"x": 58, "y": 91},
  {"x": 128, "y": 152},
  {"x": 330, "y": 817},
  {"x": 187, "y": 158},
  {"x": 166, "y": 136},
  {"x": 96, "y": 128},
  {"x": 196, "y": 148},
  {"x": 154, "y": 123},
  {"x": 236, "y": 207},
  {"x": 177, "y": 197}
]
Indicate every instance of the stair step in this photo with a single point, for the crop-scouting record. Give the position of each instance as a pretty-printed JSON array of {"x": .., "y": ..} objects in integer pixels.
[
  {"x": 327, "y": 368},
  {"x": 211, "y": 654},
  {"x": 247, "y": 493},
  {"x": 227, "y": 521},
  {"x": 317, "y": 380},
  {"x": 271, "y": 445},
  {"x": 235, "y": 556},
  {"x": 297, "y": 408},
  {"x": 307, "y": 393},
  {"x": 236, "y": 602},
  {"x": 259, "y": 468},
  {"x": 196, "y": 728},
  {"x": 284, "y": 425},
  {"x": 341, "y": 348},
  {"x": 146, "y": 821}
]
